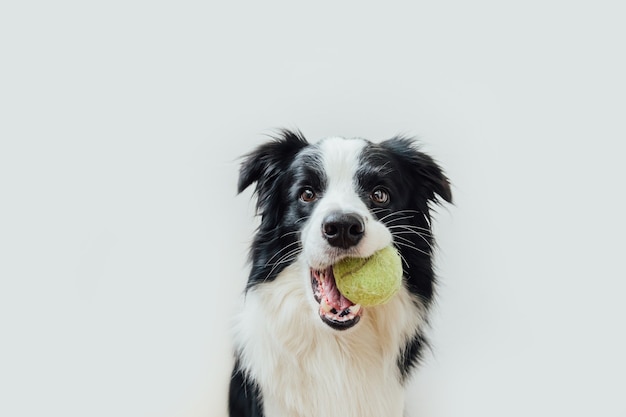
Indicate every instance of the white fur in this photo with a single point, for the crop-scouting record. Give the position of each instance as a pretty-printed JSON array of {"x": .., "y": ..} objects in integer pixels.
[
  {"x": 303, "y": 367},
  {"x": 340, "y": 161},
  {"x": 306, "y": 369}
]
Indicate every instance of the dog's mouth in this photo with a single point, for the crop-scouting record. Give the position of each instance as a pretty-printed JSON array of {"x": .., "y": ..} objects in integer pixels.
[{"x": 335, "y": 310}]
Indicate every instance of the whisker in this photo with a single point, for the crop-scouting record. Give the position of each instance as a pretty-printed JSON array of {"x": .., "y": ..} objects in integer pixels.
[
  {"x": 402, "y": 212},
  {"x": 410, "y": 211},
  {"x": 406, "y": 232},
  {"x": 382, "y": 219},
  {"x": 377, "y": 209},
  {"x": 427, "y": 237},
  {"x": 411, "y": 232},
  {"x": 282, "y": 259},
  {"x": 412, "y": 247},
  {"x": 427, "y": 219},
  {"x": 404, "y": 226},
  {"x": 411, "y": 242},
  {"x": 404, "y": 239},
  {"x": 398, "y": 219},
  {"x": 404, "y": 260},
  {"x": 287, "y": 258},
  {"x": 297, "y": 242},
  {"x": 290, "y": 233},
  {"x": 407, "y": 211}
]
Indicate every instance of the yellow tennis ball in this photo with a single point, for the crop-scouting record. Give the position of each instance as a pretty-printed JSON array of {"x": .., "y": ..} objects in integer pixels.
[{"x": 370, "y": 281}]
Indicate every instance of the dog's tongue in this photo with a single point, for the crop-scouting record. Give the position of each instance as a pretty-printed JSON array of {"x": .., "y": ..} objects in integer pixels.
[{"x": 333, "y": 297}]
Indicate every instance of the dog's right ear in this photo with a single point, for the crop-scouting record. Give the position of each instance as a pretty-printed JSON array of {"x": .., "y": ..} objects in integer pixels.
[{"x": 265, "y": 164}]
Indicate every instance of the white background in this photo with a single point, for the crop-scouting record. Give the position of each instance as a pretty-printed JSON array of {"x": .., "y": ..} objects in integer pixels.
[{"x": 123, "y": 243}]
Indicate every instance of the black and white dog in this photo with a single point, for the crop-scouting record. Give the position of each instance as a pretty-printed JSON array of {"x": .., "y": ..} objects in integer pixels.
[{"x": 302, "y": 348}]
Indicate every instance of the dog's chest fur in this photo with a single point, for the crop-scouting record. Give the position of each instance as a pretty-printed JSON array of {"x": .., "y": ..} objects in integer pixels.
[{"x": 303, "y": 368}]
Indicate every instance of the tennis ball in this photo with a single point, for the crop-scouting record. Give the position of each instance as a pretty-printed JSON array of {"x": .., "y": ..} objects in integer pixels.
[{"x": 370, "y": 281}]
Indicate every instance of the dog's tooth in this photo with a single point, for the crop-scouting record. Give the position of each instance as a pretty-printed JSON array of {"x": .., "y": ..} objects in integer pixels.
[
  {"x": 355, "y": 309},
  {"x": 325, "y": 307}
]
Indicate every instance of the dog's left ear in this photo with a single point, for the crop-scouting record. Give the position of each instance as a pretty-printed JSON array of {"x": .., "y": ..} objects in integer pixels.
[{"x": 425, "y": 169}]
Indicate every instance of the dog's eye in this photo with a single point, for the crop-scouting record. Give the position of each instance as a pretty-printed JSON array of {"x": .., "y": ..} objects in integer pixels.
[
  {"x": 308, "y": 195},
  {"x": 380, "y": 196}
]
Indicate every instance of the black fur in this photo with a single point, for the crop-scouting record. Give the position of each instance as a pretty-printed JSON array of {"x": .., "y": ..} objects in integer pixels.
[
  {"x": 284, "y": 166},
  {"x": 268, "y": 166},
  {"x": 244, "y": 397},
  {"x": 414, "y": 180},
  {"x": 411, "y": 355}
]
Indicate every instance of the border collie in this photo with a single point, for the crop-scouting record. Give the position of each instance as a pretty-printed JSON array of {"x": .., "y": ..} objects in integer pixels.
[{"x": 303, "y": 349}]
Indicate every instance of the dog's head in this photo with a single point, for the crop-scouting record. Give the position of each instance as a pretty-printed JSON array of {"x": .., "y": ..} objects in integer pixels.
[{"x": 320, "y": 203}]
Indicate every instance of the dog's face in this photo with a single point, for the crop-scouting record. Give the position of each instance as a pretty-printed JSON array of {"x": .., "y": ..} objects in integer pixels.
[{"x": 341, "y": 198}]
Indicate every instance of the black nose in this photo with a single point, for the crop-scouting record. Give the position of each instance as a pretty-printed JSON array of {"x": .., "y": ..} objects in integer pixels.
[{"x": 343, "y": 230}]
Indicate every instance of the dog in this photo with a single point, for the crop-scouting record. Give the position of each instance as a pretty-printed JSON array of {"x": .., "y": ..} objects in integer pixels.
[{"x": 302, "y": 349}]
